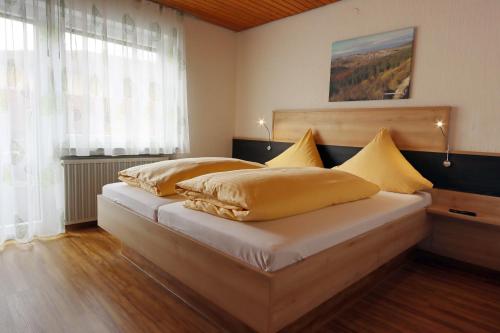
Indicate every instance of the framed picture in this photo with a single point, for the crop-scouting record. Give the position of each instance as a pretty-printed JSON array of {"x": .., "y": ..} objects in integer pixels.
[{"x": 372, "y": 67}]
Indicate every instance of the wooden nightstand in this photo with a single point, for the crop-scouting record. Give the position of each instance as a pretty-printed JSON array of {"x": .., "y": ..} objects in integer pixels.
[
  {"x": 473, "y": 239},
  {"x": 487, "y": 208},
  {"x": 479, "y": 218}
]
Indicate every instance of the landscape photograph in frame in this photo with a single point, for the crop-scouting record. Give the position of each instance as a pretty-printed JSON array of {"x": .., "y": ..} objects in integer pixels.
[{"x": 372, "y": 67}]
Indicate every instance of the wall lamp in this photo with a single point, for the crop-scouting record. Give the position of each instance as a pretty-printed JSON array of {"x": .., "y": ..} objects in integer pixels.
[
  {"x": 262, "y": 123},
  {"x": 447, "y": 162}
]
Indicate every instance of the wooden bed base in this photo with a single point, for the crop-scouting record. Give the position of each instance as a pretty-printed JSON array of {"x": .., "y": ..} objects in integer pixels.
[
  {"x": 266, "y": 302},
  {"x": 310, "y": 322}
]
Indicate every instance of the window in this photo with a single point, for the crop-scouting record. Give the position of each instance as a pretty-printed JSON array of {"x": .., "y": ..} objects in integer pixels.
[
  {"x": 15, "y": 35},
  {"x": 80, "y": 78},
  {"x": 119, "y": 83},
  {"x": 124, "y": 87},
  {"x": 16, "y": 45}
]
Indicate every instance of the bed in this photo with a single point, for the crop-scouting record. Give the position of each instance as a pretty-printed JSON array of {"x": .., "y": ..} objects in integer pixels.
[
  {"x": 273, "y": 245},
  {"x": 264, "y": 274}
]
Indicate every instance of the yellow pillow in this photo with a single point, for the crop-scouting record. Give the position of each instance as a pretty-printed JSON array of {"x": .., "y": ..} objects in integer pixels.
[
  {"x": 302, "y": 154},
  {"x": 381, "y": 163},
  {"x": 160, "y": 178}
]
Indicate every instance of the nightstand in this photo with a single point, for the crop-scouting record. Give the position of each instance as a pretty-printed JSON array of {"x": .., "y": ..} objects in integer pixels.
[
  {"x": 473, "y": 239},
  {"x": 479, "y": 218},
  {"x": 487, "y": 208}
]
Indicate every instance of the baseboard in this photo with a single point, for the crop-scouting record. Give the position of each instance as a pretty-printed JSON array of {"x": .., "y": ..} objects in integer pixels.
[{"x": 79, "y": 226}]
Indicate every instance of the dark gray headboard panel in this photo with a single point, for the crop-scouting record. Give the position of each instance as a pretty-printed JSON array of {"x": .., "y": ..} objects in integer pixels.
[{"x": 468, "y": 173}]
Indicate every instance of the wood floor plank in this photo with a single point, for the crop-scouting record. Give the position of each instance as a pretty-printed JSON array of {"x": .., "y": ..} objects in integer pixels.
[
  {"x": 81, "y": 283},
  {"x": 424, "y": 298}
]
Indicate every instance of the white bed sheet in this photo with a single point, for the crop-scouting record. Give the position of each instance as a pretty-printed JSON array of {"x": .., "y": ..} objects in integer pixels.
[
  {"x": 272, "y": 245},
  {"x": 137, "y": 199}
]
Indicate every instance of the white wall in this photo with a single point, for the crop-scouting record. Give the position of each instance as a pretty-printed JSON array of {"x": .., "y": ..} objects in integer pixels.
[
  {"x": 211, "y": 81},
  {"x": 285, "y": 64}
]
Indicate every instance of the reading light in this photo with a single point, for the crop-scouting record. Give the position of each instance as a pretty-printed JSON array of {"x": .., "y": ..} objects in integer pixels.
[
  {"x": 440, "y": 125},
  {"x": 262, "y": 123}
]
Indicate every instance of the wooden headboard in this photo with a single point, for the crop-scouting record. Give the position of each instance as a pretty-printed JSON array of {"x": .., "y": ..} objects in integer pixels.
[{"x": 412, "y": 128}]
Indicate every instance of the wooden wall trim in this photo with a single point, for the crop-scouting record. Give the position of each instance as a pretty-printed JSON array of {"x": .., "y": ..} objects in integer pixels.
[
  {"x": 477, "y": 153},
  {"x": 412, "y": 128}
]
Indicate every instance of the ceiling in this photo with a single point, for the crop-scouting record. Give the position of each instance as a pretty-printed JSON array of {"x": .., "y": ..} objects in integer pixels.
[{"x": 239, "y": 15}]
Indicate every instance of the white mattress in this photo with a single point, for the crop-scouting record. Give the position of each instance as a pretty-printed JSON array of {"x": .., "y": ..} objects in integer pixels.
[
  {"x": 275, "y": 244},
  {"x": 137, "y": 199}
]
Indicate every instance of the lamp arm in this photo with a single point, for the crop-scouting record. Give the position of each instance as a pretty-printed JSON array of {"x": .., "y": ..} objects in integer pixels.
[
  {"x": 447, "y": 162},
  {"x": 268, "y": 137}
]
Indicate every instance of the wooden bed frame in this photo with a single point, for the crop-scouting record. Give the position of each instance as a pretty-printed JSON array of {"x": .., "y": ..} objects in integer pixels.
[
  {"x": 269, "y": 301},
  {"x": 264, "y": 301}
]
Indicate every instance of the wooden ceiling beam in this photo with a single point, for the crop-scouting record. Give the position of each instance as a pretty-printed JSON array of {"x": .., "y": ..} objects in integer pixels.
[{"x": 240, "y": 15}]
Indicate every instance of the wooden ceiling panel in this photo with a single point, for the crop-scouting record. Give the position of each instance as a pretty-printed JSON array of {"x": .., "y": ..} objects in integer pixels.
[{"x": 239, "y": 15}]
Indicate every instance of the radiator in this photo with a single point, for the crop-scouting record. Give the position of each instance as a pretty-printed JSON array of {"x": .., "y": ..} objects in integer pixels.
[{"x": 84, "y": 179}]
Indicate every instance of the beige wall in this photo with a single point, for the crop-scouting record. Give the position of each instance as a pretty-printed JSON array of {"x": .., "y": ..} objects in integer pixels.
[
  {"x": 211, "y": 80},
  {"x": 285, "y": 64}
]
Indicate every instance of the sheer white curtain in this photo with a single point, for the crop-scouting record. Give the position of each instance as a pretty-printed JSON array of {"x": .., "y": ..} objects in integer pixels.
[
  {"x": 124, "y": 78},
  {"x": 31, "y": 197},
  {"x": 80, "y": 77}
]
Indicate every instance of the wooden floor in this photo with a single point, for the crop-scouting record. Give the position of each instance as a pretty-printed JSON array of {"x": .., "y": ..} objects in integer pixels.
[{"x": 81, "y": 283}]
